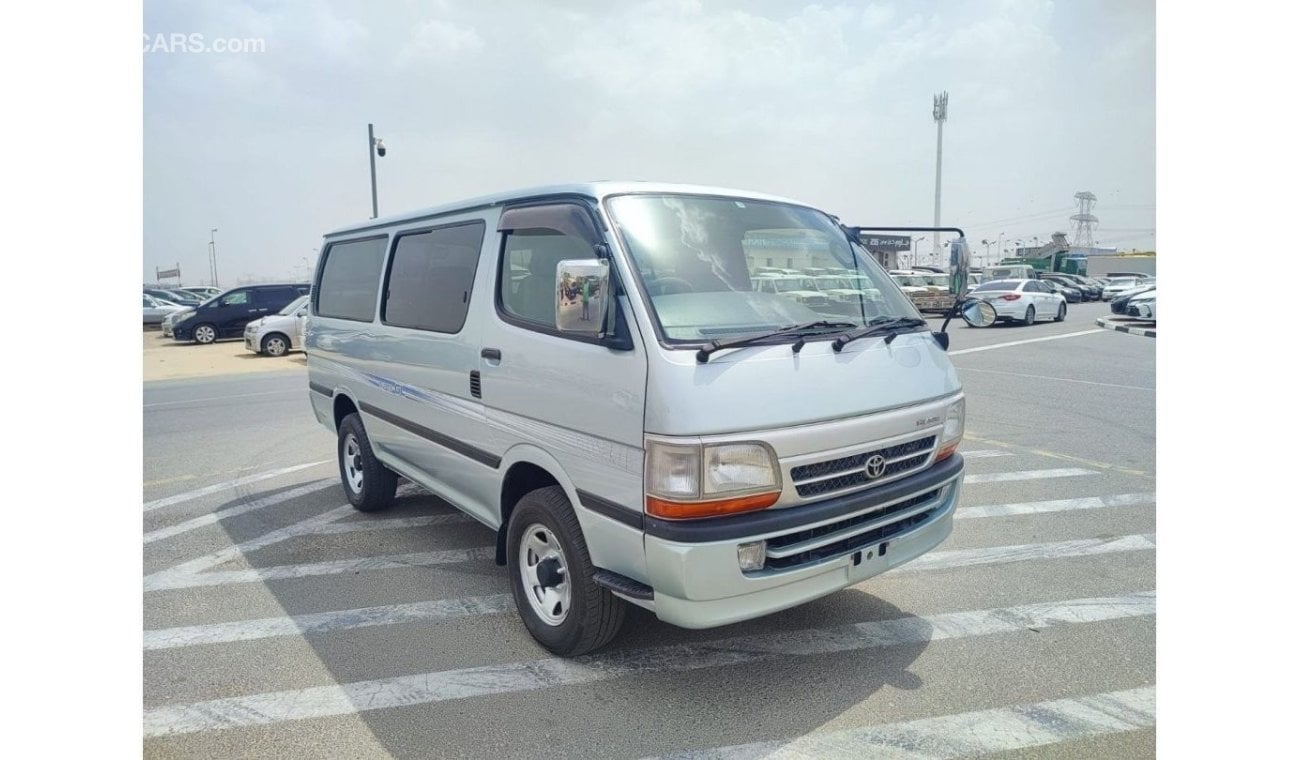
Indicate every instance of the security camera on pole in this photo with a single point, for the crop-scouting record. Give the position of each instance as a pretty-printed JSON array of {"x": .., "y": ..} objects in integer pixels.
[{"x": 376, "y": 146}]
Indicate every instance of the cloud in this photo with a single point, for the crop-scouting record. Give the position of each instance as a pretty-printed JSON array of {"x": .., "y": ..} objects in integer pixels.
[{"x": 439, "y": 40}]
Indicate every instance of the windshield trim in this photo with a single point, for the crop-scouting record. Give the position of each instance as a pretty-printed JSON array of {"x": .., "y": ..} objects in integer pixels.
[{"x": 626, "y": 259}]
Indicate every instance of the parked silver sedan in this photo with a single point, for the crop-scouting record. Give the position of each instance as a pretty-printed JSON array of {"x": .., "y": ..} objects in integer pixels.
[{"x": 156, "y": 309}]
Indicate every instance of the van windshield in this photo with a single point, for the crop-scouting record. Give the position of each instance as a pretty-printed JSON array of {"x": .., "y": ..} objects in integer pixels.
[{"x": 710, "y": 266}]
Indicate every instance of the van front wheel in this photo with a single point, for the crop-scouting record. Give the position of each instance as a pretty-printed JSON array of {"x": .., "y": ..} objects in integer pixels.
[
  {"x": 551, "y": 577},
  {"x": 370, "y": 485}
]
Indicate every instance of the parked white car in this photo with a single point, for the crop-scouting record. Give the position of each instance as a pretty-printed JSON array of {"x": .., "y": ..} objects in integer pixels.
[
  {"x": 1117, "y": 285},
  {"x": 279, "y": 333},
  {"x": 1143, "y": 305},
  {"x": 1023, "y": 301},
  {"x": 173, "y": 317}
]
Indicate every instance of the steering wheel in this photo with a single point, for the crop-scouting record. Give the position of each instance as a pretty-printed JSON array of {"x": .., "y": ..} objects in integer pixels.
[{"x": 667, "y": 286}]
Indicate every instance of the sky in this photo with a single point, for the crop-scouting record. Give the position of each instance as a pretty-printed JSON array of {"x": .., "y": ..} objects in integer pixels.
[{"x": 826, "y": 103}]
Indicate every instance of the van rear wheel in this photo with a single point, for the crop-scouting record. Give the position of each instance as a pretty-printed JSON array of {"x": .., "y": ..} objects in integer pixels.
[
  {"x": 551, "y": 577},
  {"x": 369, "y": 485}
]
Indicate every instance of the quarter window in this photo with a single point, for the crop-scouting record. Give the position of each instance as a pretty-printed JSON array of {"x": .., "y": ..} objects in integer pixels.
[
  {"x": 430, "y": 279},
  {"x": 349, "y": 280}
]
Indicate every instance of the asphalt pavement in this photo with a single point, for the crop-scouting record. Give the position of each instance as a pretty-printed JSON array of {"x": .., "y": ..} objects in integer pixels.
[{"x": 278, "y": 622}]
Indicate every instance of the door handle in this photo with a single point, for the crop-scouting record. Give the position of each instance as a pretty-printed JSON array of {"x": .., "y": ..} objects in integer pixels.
[{"x": 491, "y": 354}]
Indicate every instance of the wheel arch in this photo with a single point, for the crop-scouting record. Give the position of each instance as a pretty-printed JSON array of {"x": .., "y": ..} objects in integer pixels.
[
  {"x": 343, "y": 405},
  {"x": 525, "y": 468}
]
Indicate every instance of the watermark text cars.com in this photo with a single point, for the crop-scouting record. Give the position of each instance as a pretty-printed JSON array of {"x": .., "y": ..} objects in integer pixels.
[{"x": 194, "y": 42}]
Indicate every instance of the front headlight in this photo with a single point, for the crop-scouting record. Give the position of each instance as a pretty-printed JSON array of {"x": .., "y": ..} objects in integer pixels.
[
  {"x": 954, "y": 425},
  {"x": 689, "y": 480}
]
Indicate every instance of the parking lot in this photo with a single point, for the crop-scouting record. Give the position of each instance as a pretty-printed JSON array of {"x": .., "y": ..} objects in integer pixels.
[{"x": 279, "y": 621}]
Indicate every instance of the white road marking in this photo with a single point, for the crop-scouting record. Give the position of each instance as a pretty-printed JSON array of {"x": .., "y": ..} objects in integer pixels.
[
  {"x": 219, "y": 487},
  {"x": 325, "y": 622},
  {"x": 1023, "y": 342},
  {"x": 177, "y": 574},
  {"x": 195, "y": 574},
  {"x": 426, "y": 688},
  {"x": 985, "y": 453},
  {"x": 219, "y": 398},
  {"x": 393, "y": 523},
  {"x": 333, "y": 567},
  {"x": 982, "y": 732},
  {"x": 998, "y": 554},
  {"x": 1056, "y": 505},
  {"x": 1003, "y": 477},
  {"x": 244, "y": 630},
  {"x": 1058, "y": 379},
  {"x": 213, "y": 517}
]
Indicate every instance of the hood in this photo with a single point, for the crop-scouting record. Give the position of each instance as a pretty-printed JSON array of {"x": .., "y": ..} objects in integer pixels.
[{"x": 759, "y": 387}]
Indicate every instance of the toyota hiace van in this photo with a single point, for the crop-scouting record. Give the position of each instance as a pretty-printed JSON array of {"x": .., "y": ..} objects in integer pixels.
[{"x": 595, "y": 373}]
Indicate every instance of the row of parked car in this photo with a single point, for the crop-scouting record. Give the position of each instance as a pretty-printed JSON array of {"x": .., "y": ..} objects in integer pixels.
[
  {"x": 1030, "y": 299},
  {"x": 268, "y": 317}
]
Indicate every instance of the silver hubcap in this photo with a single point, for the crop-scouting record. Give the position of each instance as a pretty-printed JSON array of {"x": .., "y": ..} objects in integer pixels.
[
  {"x": 275, "y": 346},
  {"x": 204, "y": 334},
  {"x": 545, "y": 574},
  {"x": 352, "y": 463}
]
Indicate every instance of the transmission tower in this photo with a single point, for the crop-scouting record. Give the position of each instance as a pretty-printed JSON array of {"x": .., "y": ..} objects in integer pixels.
[{"x": 1084, "y": 221}]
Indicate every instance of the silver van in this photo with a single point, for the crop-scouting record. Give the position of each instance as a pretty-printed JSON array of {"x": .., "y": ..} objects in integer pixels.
[{"x": 591, "y": 372}]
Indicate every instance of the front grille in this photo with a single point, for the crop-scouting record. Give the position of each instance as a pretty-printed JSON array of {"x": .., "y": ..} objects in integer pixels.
[
  {"x": 876, "y": 526},
  {"x": 849, "y": 472}
]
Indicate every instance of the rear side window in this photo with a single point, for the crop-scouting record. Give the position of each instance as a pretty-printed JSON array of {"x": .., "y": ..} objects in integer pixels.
[
  {"x": 349, "y": 279},
  {"x": 430, "y": 279},
  {"x": 276, "y": 298}
]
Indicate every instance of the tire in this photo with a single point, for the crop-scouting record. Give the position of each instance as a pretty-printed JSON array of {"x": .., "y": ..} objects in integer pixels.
[
  {"x": 205, "y": 333},
  {"x": 369, "y": 485},
  {"x": 1060, "y": 314},
  {"x": 275, "y": 344},
  {"x": 586, "y": 616},
  {"x": 1029, "y": 316}
]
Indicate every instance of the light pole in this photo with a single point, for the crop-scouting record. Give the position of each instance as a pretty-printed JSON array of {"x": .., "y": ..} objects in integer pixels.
[
  {"x": 940, "y": 116},
  {"x": 374, "y": 146},
  {"x": 212, "y": 255},
  {"x": 914, "y": 252},
  {"x": 1002, "y": 252},
  {"x": 986, "y": 244}
]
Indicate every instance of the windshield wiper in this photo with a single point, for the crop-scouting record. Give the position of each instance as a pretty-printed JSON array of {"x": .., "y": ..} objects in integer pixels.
[
  {"x": 890, "y": 326},
  {"x": 702, "y": 356}
]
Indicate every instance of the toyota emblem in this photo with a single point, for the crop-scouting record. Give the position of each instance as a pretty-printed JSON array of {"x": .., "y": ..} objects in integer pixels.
[{"x": 875, "y": 466}]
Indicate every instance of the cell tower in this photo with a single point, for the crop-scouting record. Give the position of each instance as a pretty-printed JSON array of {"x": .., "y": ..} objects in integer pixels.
[{"x": 1084, "y": 221}]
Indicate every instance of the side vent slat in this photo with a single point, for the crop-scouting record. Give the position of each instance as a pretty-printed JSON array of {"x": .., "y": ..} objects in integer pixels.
[{"x": 475, "y": 385}]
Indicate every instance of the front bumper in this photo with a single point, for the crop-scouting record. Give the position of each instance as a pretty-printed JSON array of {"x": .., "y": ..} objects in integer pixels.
[{"x": 693, "y": 568}]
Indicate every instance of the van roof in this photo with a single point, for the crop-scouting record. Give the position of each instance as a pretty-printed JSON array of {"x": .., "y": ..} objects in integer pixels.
[{"x": 595, "y": 190}]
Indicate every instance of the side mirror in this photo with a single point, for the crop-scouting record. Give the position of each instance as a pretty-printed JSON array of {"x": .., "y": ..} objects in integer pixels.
[
  {"x": 582, "y": 296},
  {"x": 977, "y": 313}
]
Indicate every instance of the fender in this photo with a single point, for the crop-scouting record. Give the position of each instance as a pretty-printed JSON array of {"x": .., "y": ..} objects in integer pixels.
[{"x": 620, "y": 547}]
